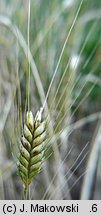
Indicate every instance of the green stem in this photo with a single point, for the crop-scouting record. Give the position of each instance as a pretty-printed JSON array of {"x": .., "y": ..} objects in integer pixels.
[
  {"x": 28, "y": 55},
  {"x": 27, "y": 193}
]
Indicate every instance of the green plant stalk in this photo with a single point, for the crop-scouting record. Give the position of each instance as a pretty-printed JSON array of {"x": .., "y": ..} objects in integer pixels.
[
  {"x": 26, "y": 192},
  {"x": 28, "y": 54}
]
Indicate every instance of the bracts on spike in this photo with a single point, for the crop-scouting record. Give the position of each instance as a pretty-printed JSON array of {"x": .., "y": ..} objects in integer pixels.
[{"x": 32, "y": 148}]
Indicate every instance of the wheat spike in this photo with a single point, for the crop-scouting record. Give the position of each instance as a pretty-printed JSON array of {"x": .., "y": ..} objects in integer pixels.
[{"x": 32, "y": 147}]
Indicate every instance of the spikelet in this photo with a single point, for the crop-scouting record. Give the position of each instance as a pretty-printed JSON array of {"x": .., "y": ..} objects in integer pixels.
[{"x": 32, "y": 147}]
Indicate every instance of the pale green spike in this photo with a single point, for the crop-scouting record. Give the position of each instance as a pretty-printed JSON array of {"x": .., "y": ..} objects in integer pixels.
[
  {"x": 35, "y": 167},
  {"x": 40, "y": 129},
  {"x": 38, "y": 149},
  {"x": 32, "y": 148},
  {"x": 25, "y": 153},
  {"x": 27, "y": 133},
  {"x": 36, "y": 158},
  {"x": 23, "y": 161},
  {"x": 38, "y": 140},
  {"x": 30, "y": 121}
]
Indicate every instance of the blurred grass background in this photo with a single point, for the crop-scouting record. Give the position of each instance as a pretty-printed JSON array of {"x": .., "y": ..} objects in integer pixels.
[{"x": 74, "y": 102}]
